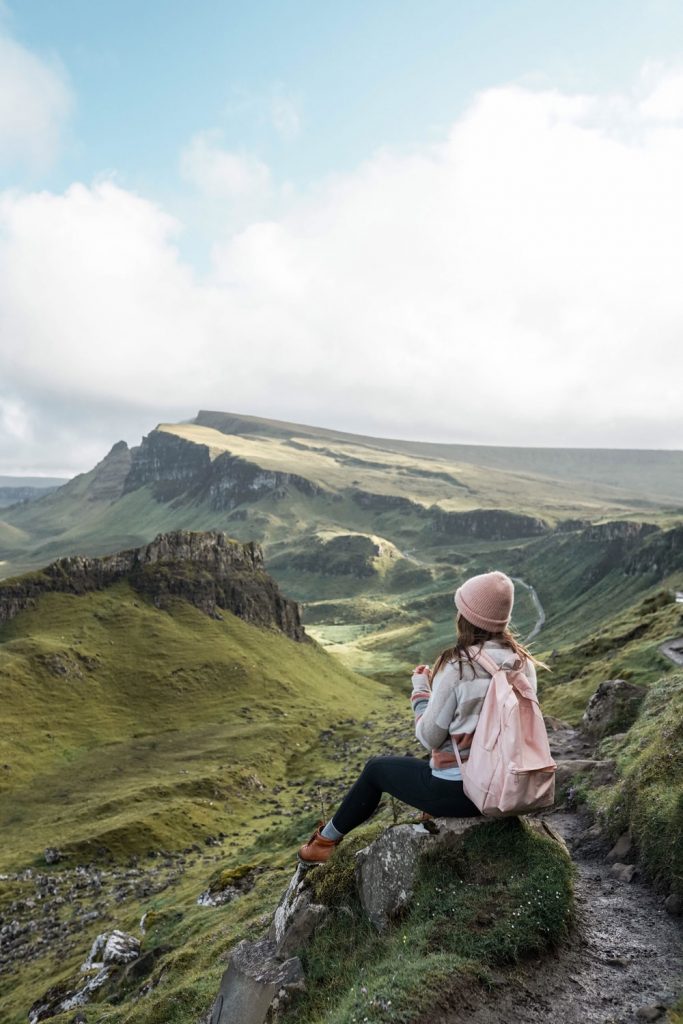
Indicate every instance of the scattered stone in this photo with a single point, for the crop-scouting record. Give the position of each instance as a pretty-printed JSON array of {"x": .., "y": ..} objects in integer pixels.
[
  {"x": 621, "y": 849},
  {"x": 616, "y": 961},
  {"x": 252, "y": 982},
  {"x": 217, "y": 899},
  {"x": 673, "y": 904},
  {"x": 52, "y": 855},
  {"x": 114, "y": 947},
  {"x": 228, "y": 884},
  {"x": 612, "y": 708},
  {"x": 623, "y": 872}
]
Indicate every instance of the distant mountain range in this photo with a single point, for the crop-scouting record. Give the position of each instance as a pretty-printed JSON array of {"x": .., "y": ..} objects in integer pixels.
[
  {"x": 372, "y": 535},
  {"x": 26, "y": 488}
]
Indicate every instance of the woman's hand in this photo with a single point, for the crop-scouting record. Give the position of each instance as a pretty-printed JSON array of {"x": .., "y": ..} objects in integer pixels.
[{"x": 423, "y": 670}]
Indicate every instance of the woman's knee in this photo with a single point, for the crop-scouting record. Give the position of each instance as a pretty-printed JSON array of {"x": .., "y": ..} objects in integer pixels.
[{"x": 373, "y": 766}]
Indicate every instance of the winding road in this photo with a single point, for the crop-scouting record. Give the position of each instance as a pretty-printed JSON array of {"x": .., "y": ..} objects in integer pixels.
[
  {"x": 537, "y": 604},
  {"x": 540, "y": 613}
]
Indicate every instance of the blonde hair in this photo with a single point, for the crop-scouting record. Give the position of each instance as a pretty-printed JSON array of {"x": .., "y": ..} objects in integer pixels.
[{"x": 470, "y": 635}]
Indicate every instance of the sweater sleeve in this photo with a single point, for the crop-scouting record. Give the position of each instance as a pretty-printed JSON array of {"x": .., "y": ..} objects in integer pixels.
[
  {"x": 434, "y": 712},
  {"x": 421, "y": 694}
]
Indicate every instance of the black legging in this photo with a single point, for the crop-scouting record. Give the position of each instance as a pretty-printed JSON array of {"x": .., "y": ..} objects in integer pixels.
[{"x": 409, "y": 779}]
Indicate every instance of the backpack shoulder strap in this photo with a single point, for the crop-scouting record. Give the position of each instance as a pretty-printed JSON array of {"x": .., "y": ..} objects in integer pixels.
[{"x": 487, "y": 662}]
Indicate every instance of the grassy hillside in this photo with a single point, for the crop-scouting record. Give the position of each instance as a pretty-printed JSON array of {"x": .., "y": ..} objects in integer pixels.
[
  {"x": 126, "y": 727},
  {"x": 138, "y": 739},
  {"x": 373, "y": 535},
  {"x": 653, "y": 475},
  {"x": 625, "y": 646}
]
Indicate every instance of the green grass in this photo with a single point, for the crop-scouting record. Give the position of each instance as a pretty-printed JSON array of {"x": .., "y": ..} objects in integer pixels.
[
  {"x": 648, "y": 795},
  {"x": 126, "y": 727},
  {"x": 625, "y": 647},
  {"x": 310, "y": 538},
  {"x": 505, "y": 894}
]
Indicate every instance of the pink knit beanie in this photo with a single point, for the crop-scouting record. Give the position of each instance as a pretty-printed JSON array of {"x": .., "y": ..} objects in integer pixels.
[{"x": 486, "y": 600}]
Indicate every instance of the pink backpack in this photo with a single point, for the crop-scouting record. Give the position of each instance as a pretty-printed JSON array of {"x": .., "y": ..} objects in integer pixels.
[{"x": 510, "y": 769}]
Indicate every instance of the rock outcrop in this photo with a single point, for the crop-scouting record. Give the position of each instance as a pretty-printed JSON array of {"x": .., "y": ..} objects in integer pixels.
[
  {"x": 178, "y": 469},
  {"x": 386, "y": 871},
  {"x": 612, "y": 708},
  {"x": 661, "y": 555},
  {"x": 264, "y": 975},
  {"x": 486, "y": 523},
  {"x": 345, "y": 555},
  {"x": 254, "y": 981},
  {"x": 208, "y": 569},
  {"x": 109, "y": 954},
  {"x": 611, "y": 546}
]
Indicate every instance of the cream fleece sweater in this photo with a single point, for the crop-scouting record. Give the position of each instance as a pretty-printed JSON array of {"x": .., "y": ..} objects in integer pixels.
[{"x": 453, "y": 705}]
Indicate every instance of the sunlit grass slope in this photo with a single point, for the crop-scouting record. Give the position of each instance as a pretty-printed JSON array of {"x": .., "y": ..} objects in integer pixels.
[
  {"x": 655, "y": 476},
  {"x": 624, "y": 646},
  {"x": 126, "y": 727}
]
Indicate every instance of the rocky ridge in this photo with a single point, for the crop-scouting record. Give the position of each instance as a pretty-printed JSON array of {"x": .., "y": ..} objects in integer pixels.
[{"x": 207, "y": 569}]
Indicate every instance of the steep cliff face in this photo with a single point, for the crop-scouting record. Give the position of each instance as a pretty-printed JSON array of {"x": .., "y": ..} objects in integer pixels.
[
  {"x": 660, "y": 554},
  {"x": 175, "y": 467},
  {"x": 615, "y": 543},
  {"x": 207, "y": 569},
  {"x": 487, "y": 523},
  {"x": 168, "y": 462},
  {"x": 12, "y": 495},
  {"x": 233, "y": 480}
]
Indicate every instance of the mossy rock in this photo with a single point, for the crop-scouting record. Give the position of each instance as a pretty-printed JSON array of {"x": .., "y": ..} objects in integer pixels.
[{"x": 231, "y": 876}]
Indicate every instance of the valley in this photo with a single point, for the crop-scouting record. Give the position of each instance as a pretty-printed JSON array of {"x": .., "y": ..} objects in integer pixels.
[{"x": 204, "y": 637}]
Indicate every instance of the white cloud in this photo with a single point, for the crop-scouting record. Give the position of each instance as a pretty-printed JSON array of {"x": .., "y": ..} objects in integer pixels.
[
  {"x": 35, "y": 100},
  {"x": 519, "y": 283},
  {"x": 220, "y": 173}
]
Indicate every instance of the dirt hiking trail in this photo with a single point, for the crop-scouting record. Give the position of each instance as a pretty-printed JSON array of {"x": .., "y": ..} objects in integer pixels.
[{"x": 623, "y": 963}]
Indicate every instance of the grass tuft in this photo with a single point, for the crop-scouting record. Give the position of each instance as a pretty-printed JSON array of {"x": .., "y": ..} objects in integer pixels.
[{"x": 648, "y": 795}]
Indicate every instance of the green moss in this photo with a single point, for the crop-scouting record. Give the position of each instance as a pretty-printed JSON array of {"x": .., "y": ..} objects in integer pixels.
[
  {"x": 334, "y": 883},
  {"x": 228, "y": 876},
  {"x": 505, "y": 893}
]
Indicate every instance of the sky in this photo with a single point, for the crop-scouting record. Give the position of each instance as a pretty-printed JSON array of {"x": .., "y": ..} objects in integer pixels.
[{"x": 452, "y": 221}]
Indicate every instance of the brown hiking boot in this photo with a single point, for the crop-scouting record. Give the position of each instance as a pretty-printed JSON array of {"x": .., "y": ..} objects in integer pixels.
[{"x": 318, "y": 849}]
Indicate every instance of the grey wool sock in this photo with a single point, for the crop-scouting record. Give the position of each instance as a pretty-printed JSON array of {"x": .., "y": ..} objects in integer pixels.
[{"x": 330, "y": 832}]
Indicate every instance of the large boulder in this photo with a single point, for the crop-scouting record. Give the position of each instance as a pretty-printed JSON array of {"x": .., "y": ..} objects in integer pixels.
[
  {"x": 387, "y": 870},
  {"x": 255, "y": 984},
  {"x": 612, "y": 708}
]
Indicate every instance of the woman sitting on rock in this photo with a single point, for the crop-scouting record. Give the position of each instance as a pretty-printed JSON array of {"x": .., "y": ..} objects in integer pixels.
[{"x": 446, "y": 712}]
